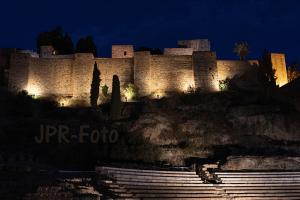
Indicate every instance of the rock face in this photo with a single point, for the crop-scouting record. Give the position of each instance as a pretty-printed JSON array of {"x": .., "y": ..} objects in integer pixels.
[
  {"x": 196, "y": 125},
  {"x": 261, "y": 163},
  {"x": 266, "y": 121},
  {"x": 156, "y": 128}
]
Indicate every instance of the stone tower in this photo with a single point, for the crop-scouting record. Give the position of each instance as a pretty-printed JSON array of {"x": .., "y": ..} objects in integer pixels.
[
  {"x": 279, "y": 65},
  {"x": 122, "y": 51},
  {"x": 205, "y": 70}
]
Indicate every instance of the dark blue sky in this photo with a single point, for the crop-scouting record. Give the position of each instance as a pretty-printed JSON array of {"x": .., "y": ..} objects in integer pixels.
[{"x": 272, "y": 24}]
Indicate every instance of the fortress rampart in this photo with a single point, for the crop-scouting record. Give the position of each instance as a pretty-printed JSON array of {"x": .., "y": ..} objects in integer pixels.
[{"x": 70, "y": 76}]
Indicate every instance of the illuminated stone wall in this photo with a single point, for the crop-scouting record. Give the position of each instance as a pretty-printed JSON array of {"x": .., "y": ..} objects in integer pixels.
[
  {"x": 50, "y": 78},
  {"x": 230, "y": 68},
  {"x": 171, "y": 73},
  {"x": 18, "y": 72},
  {"x": 66, "y": 76},
  {"x": 142, "y": 72},
  {"x": 156, "y": 75},
  {"x": 123, "y": 67},
  {"x": 278, "y": 63},
  {"x": 178, "y": 51},
  {"x": 205, "y": 70},
  {"x": 122, "y": 51}
]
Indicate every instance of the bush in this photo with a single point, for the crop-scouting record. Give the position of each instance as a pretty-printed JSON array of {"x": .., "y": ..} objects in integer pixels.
[
  {"x": 224, "y": 84},
  {"x": 105, "y": 90},
  {"x": 130, "y": 92}
]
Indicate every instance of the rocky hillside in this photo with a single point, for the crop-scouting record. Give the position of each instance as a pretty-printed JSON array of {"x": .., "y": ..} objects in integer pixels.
[
  {"x": 179, "y": 129},
  {"x": 219, "y": 125}
]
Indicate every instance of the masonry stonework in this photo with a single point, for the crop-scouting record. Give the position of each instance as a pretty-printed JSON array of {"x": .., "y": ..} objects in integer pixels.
[
  {"x": 122, "y": 51},
  {"x": 205, "y": 70},
  {"x": 278, "y": 64},
  {"x": 70, "y": 76},
  {"x": 178, "y": 51},
  {"x": 230, "y": 68}
]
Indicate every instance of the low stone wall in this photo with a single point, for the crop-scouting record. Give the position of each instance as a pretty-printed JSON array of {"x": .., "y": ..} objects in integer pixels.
[{"x": 261, "y": 163}]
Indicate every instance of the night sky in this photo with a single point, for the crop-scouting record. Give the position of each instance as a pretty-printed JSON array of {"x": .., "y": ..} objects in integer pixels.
[{"x": 271, "y": 24}]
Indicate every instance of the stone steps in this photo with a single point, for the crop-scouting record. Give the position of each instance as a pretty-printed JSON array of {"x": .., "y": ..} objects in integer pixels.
[
  {"x": 157, "y": 183},
  {"x": 161, "y": 195},
  {"x": 179, "y": 191},
  {"x": 167, "y": 185},
  {"x": 266, "y": 198},
  {"x": 264, "y": 191},
  {"x": 143, "y": 177},
  {"x": 257, "y": 184},
  {"x": 258, "y": 173},
  {"x": 260, "y": 185},
  {"x": 259, "y": 188},
  {"x": 147, "y": 187},
  {"x": 159, "y": 180},
  {"x": 186, "y": 198},
  {"x": 144, "y": 171}
]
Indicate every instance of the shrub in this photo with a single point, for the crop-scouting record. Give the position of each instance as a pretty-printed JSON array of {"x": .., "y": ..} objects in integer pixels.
[
  {"x": 224, "y": 84},
  {"x": 130, "y": 92},
  {"x": 105, "y": 90}
]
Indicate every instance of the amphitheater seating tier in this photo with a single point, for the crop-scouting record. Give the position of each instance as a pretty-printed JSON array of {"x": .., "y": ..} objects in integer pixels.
[{"x": 134, "y": 184}]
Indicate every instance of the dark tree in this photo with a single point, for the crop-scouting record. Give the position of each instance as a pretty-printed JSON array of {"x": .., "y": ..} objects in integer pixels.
[
  {"x": 153, "y": 51},
  {"x": 86, "y": 45},
  {"x": 292, "y": 71},
  {"x": 68, "y": 46},
  {"x": 2, "y": 77},
  {"x": 266, "y": 67},
  {"x": 61, "y": 41},
  {"x": 241, "y": 49},
  {"x": 95, "y": 86},
  {"x": 115, "y": 110}
]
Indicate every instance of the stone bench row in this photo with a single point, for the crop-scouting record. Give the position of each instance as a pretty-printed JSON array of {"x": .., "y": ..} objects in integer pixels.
[
  {"x": 217, "y": 198},
  {"x": 150, "y": 176},
  {"x": 125, "y": 183},
  {"x": 143, "y": 170},
  {"x": 149, "y": 180},
  {"x": 174, "y": 198},
  {"x": 265, "y": 182},
  {"x": 260, "y": 173},
  {"x": 105, "y": 172},
  {"x": 260, "y": 177}
]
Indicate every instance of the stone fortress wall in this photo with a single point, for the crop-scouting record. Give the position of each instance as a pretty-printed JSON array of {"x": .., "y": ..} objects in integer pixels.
[{"x": 156, "y": 75}]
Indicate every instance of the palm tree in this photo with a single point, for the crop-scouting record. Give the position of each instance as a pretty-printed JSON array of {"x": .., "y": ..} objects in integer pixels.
[{"x": 241, "y": 49}]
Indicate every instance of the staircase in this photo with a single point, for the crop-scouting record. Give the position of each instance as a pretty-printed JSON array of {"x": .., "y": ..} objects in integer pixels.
[
  {"x": 260, "y": 185},
  {"x": 136, "y": 184}
]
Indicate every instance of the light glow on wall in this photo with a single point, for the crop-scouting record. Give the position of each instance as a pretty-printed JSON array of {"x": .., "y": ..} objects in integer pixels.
[
  {"x": 188, "y": 86},
  {"x": 158, "y": 94},
  {"x": 65, "y": 102},
  {"x": 33, "y": 90}
]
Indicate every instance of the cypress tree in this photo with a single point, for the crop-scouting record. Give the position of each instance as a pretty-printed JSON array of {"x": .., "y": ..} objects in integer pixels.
[
  {"x": 115, "y": 109},
  {"x": 95, "y": 86},
  {"x": 266, "y": 67}
]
